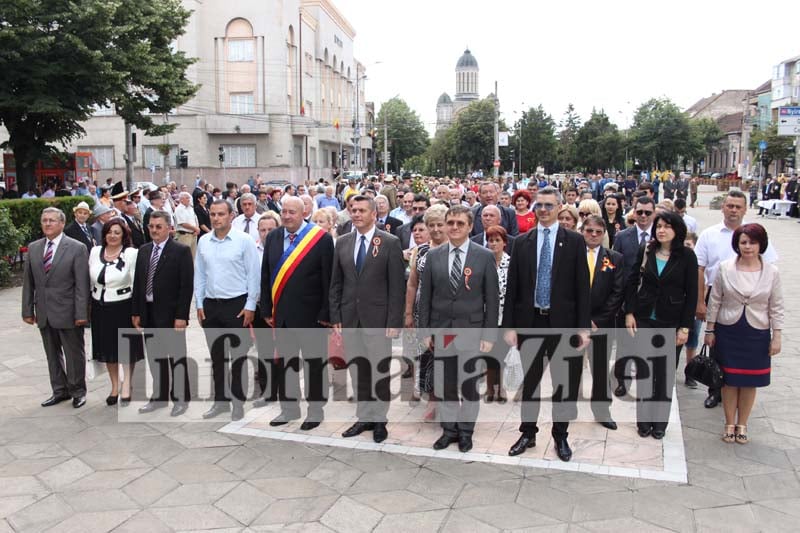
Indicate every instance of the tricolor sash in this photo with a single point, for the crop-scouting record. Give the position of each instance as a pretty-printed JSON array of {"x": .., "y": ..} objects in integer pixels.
[{"x": 303, "y": 243}]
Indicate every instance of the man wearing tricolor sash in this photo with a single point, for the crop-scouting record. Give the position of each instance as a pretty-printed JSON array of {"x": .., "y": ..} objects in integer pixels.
[{"x": 295, "y": 280}]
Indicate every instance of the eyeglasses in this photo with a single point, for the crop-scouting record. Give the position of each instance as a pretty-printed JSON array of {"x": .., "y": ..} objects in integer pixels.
[
  {"x": 584, "y": 214},
  {"x": 593, "y": 231},
  {"x": 546, "y": 207},
  {"x": 642, "y": 212}
]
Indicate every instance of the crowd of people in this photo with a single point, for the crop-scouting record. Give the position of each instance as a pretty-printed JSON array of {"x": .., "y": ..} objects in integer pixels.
[{"x": 364, "y": 261}]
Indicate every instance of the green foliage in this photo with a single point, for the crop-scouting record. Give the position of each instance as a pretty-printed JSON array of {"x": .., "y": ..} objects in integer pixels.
[
  {"x": 419, "y": 187},
  {"x": 407, "y": 135},
  {"x": 660, "y": 134},
  {"x": 60, "y": 59},
  {"x": 26, "y": 213},
  {"x": 566, "y": 153},
  {"x": 598, "y": 144},
  {"x": 538, "y": 132},
  {"x": 10, "y": 241},
  {"x": 472, "y": 136},
  {"x": 778, "y": 146}
]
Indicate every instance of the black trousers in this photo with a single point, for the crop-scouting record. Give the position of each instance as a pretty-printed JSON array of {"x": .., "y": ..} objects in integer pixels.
[
  {"x": 564, "y": 371},
  {"x": 67, "y": 378},
  {"x": 166, "y": 358},
  {"x": 228, "y": 349},
  {"x": 368, "y": 360},
  {"x": 265, "y": 346},
  {"x": 286, "y": 376}
]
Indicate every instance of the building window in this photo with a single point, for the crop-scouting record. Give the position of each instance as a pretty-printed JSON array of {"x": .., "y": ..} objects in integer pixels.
[
  {"x": 240, "y": 50},
  {"x": 104, "y": 155},
  {"x": 103, "y": 110},
  {"x": 153, "y": 158},
  {"x": 240, "y": 155},
  {"x": 242, "y": 103}
]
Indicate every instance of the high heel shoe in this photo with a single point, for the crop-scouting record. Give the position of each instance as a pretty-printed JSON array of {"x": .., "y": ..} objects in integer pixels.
[
  {"x": 124, "y": 402},
  {"x": 729, "y": 435},
  {"x": 112, "y": 400},
  {"x": 741, "y": 434},
  {"x": 501, "y": 399}
]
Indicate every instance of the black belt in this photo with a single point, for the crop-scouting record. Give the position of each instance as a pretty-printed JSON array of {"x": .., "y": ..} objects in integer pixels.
[
  {"x": 223, "y": 300},
  {"x": 186, "y": 232},
  {"x": 541, "y": 312}
]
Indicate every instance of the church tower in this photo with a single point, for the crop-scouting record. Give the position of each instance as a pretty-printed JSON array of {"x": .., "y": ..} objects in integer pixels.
[{"x": 467, "y": 77}]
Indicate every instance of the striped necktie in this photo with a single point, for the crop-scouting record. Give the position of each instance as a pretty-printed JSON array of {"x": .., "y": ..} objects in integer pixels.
[
  {"x": 455, "y": 271},
  {"x": 47, "y": 260},
  {"x": 151, "y": 271}
]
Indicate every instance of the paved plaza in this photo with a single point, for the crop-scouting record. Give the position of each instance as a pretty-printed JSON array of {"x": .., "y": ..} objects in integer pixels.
[{"x": 65, "y": 469}]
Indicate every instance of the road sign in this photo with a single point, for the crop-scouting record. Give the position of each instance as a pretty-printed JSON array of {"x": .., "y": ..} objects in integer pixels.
[
  {"x": 789, "y": 121},
  {"x": 762, "y": 145},
  {"x": 496, "y": 163}
]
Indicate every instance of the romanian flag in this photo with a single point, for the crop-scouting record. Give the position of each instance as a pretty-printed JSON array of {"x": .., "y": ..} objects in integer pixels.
[{"x": 291, "y": 258}]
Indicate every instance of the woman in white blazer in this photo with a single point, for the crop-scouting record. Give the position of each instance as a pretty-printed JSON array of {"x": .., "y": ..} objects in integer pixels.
[
  {"x": 745, "y": 318},
  {"x": 111, "y": 271}
]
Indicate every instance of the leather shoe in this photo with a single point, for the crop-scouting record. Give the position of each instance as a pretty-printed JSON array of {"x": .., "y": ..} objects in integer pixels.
[
  {"x": 645, "y": 432},
  {"x": 563, "y": 450},
  {"x": 151, "y": 406},
  {"x": 464, "y": 443},
  {"x": 444, "y": 441},
  {"x": 308, "y": 425},
  {"x": 283, "y": 419},
  {"x": 379, "y": 432},
  {"x": 522, "y": 444},
  {"x": 609, "y": 424},
  {"x": 216, "y": 410},
  {"x": 53, "y": 400},
  {"x": 712, "y": 401},
  {"x": 620, "y": 391},
  {"x": 237, "y": 413},
  {"x": 179, "y": 408},
  {"x": 658, "y": 434},
  {"x": 357, "y": 429},
  {"x": 80, "y": 401}
]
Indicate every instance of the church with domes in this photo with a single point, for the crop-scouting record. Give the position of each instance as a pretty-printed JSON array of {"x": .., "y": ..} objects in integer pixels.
[{"x": 447, "y": 109}]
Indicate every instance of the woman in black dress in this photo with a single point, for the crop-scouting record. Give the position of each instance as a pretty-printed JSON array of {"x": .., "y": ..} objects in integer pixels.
[
  {"x": 203, "y": 216},
  {"x": 611, "y": 209}
]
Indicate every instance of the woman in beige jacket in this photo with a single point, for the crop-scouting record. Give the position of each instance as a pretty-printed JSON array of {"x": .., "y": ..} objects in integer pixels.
[{"x": 745, "y": 318}]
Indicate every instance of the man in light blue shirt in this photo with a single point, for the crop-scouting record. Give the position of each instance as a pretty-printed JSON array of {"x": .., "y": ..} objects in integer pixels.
[
  {"x": 328, "y": 199},
  {"x": 227, "y": 283}
]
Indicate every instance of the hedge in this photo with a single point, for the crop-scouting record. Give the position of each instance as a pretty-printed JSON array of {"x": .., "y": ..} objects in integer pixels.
[
  {"x": 26, "y": 213},
  {"x": 10, "y": 241}
]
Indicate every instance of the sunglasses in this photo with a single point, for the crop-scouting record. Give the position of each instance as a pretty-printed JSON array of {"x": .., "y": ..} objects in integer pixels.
[
  {"x": 546, "y": 207},
  {"x": 642, "y": 212},
  {"x": 593, "y": 231},
  {"x": 584, "y": 214}
]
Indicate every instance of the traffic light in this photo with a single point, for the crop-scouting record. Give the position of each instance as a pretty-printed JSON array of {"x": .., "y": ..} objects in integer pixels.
[
  {"x": 183, "y": 159},
  {"x": 221, "y": 154},
  {"x": 790, "y": 160}
]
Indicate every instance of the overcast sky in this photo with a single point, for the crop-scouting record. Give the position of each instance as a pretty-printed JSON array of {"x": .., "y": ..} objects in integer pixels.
[{"x": 605, "y": 54}]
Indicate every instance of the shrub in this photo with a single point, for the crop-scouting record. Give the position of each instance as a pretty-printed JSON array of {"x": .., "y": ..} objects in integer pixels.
[
  {"x": 10, "y": 241},
  {"x": 26, "y": 214}
]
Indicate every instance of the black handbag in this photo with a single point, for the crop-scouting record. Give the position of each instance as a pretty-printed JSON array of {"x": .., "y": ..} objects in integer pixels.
[{"x": 704, "y": 369}]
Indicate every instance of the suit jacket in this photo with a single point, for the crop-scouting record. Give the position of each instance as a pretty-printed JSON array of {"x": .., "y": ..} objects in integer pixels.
[
  {"x": 478, "y": 239},
  {"x": 392, "y": 225},
  {"x": 626, "y": 242},
  {"x": 608, "y": 287},
  {"x": 61, "y": 296},
  {"x": 137, "y": 232},
  {"x": 97, "y": 232},
  {"x": 476, "y": 303},
  {"x": 305, "y": 298},
  {"x": 672, "y": 295},
  {"x": 570, "y": 300},
  {"x": 74, "y": 230},
  {"x": 508, "y": 219},
  {"x": 374, "y": 298},
  {"x": 390, "y": 192},
  {"x": 173, "y": 283},
  {"x": 404, "y": 234},
  {"x": 669, "y": 188}
]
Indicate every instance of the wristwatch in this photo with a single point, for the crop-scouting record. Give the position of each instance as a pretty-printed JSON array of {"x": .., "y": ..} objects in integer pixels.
[{"x": 684, "y": 330}]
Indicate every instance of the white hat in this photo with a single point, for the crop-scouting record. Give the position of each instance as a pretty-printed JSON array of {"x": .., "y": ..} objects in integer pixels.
[{"x": 82, "y": 205}]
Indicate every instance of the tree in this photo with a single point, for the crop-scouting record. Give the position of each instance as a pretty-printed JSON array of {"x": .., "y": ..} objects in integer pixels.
[
  {"x": 62, "y": 59},
  {"x": 537, "y": 130},
  {"x": 598, "y": 144},
  {"x": 407, "y": 135},
  {"x": 779, "y": 147},
  {"x": 441, "y": 153},
  {"x": 472, "y": 136},
  {"x": 660, "y": 134},
  {"x": 565, "y": 152},
  {"x": 705, "y": 133}
]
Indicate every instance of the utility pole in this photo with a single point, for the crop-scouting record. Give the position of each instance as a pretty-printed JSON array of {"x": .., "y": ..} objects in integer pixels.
[
  {"x": 496, "y": 132},
  {"x": 130, "y": 156},
  {"x": 385, "y": 145}
]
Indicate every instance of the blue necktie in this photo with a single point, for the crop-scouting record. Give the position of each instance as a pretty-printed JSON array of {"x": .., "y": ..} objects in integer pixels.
[
  {"x": 362, "y": 254},
  {"x": 543, "y": 273}
]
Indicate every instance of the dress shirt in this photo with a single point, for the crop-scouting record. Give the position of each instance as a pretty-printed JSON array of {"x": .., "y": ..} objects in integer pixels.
[
  {"x": 322, "y": 200},
  {"x": 368, "y": 235},
  {"x": 240, "y": 223},
  {"x": 286, "y": 235},
  {"x": 56, "y": 242},
  {"x": 639, "y": 232},
  {"x": 714, "y": 246},
  {"x": 157, "y": 250},
  {"x": 540, "y": 240},
  {"x": 184, "y": 215},
  {"x": 691, "y": 223},
  {"x": 400, "y": 214},
  {"x": 450, "y": 255},
  {"x": 227, "y": 268}
]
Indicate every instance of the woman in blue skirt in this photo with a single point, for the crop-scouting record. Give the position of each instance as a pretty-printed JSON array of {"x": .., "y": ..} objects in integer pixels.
[{"x": 745, "y": 318}]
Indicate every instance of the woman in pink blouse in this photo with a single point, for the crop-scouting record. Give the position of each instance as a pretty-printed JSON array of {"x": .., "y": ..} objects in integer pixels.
[{"x": 745, "y": 318}]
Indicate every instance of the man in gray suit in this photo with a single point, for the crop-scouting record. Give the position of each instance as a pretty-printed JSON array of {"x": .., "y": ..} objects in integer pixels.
[
  {"x": 366, "y": 298},
  {"x": 459, "y": 295},
  {"x": 55, "y": 296}
]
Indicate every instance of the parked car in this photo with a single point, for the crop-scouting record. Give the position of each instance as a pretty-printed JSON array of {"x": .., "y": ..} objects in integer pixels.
[{"x": 145, "y": 185}]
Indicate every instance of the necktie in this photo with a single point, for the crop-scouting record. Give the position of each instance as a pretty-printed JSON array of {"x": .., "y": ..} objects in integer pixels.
[
  {"x": 543, "y": 272},
  {"x": 292, "y": 237},
  {"x": 455, "y": 271},
  {"x": 591, "y": 260},
  {"x": 86, "y": 231},
  {"x": 151, "y": 271},
  {"x": 247, "y": 227},
  {"x": 362, "y": 254},
  {"x": 47, "y": 260},
  {"x": 643, "y": 240}
]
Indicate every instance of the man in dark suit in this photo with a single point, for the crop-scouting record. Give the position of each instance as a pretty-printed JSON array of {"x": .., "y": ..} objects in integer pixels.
[
  {"x": 366, "y": 298},
  {"x": 102, "y": 214},
  {"x": 130, "y": 217},
  {"x": 630, "y": 240},
  {"x": 489, "y": 192},
  {"x": 490, "y": 216},
  {"x": 384, "y": 221},
  {"x": 162, "y": 295},
  {"x": 459, "y": 295},
  {"x": 418, "y": 207},
  {"x": 607, "y": 292},
  {"x": 670, "y": 187},
  {"x": 156, "y": 198},
  {"x": 78, "y": 229},
  {"x": 294, "y": 301},
  {"x": 55, "y": 297},
  {"x": 548, "y": 287}
]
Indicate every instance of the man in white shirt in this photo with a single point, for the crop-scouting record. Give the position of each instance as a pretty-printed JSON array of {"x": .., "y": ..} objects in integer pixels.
[
  {"x": 186, "y": 222},
  {"x": 713, "y": 247},
  {"x": 248, "y": 220},
  {"x": 403, "y": 212},
  {"x": 689, "y": 220}
]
